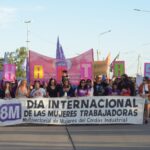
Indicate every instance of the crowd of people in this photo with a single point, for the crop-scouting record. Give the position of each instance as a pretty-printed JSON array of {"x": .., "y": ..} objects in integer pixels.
[{"x": 101, "y": 86}]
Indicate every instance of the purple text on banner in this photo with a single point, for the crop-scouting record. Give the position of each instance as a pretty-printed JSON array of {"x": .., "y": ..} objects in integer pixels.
[{"x": 10, "y": 112}]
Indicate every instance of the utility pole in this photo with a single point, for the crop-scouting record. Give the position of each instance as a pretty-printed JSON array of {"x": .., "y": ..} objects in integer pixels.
[
  {"x": 138, "y": 65},
  {"x": 27, "y": 41},
  {"x": 99, "y": 35}
]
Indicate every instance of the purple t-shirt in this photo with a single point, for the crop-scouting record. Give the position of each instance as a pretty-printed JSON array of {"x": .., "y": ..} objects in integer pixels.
[{"x": 81, "y": 92}]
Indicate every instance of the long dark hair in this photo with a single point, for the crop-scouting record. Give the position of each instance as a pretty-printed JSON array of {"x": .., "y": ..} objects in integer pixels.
[
  {"x": 10, "y": 89},
  {"x": 87, "y": 83},
  {"x": 49, "y": 83},
  {"x": 80, "y": 86}
]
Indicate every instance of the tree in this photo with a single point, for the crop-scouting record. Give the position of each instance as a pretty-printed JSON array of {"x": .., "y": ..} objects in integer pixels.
[
  {"x": 19, "y": 57},
  {"x": 1, "y": 64}
]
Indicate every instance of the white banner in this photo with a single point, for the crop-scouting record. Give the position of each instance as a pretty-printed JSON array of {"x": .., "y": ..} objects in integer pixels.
[{"x": 77, "y": 110}]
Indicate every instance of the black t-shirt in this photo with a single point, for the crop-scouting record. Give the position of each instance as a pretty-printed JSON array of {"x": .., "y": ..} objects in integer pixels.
[
  {"x": 99, "y": 89},
  {"x": 53, "y": 92}
]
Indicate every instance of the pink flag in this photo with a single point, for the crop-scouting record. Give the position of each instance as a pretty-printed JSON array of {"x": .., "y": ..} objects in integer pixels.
[
  {"x": 80, "y": 67},
  {"x": 41, "y": 67}
]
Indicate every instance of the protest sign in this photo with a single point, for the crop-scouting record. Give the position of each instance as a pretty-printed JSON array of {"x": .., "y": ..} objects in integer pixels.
[
  {"x": 84, "y": 110},
  {"x": 147, "y": 70},
  {"x": 119, "y": 68},
  {"x": 9, "y": 72},
  {"x": 81, "y": 110}
]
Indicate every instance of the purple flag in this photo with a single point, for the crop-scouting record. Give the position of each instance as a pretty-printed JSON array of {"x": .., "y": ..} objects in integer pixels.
[{"x": 59, "y": 51}]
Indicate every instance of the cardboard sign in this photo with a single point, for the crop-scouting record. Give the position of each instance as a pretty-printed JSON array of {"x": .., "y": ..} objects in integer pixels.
[
  {"x": 9, "y": 73},
  {"x": 86, "y": 70},
  {"x": 119, "y": 68},
  {"x": 147, "y": 70},
  {"x": 38, "y": 72}
]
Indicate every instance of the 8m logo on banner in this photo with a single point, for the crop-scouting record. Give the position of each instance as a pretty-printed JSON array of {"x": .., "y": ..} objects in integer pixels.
[{"x": 10, "y": 112}]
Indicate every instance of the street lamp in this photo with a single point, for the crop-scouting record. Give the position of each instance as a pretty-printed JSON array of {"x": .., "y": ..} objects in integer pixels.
[
  {"x": 99, "y": 35},
  {"x": 102, "y": 33},
  {"x": 139, "y": 56},
  {"x": 27, "y": 41},
  {"x": 136, "y": 9}
]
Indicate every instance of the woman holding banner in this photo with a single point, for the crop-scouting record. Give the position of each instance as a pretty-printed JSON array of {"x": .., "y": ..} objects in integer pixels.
[
  {"x": 38, "y": 91},
  {"x": 8, "y": 94},
  {"x": 81, "y": 89},
  {"x": 66, "y": 89},
  {"x": 114, "y": 91},
  {"x": 52, "y": 88},
  {"x": 144, "y": 91},
  {"x": 22, "y": 90},
  {"x": 89, "y": 86}
]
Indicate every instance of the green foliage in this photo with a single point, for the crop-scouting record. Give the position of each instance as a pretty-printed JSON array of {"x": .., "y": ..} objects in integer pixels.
[
  {"x": 1, "y": 63},
  {"x": 18, "y": 57}
]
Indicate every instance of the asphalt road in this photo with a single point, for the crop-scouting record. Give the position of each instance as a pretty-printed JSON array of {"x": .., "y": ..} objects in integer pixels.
[{"x": 94, "y": 137}]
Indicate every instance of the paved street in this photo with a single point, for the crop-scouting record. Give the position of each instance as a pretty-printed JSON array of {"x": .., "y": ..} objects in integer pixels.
[{"x": 94, "y": 137}]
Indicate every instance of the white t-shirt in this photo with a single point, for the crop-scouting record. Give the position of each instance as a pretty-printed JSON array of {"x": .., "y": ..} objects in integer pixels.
[
  {"x": 38, "y": 92},
  {"x": 145, "y": 88}
]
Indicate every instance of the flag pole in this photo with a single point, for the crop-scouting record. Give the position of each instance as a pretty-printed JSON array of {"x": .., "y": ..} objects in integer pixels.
[
  {"x": 98, "y": 55},
  {"x": 28, "y": 54}
]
